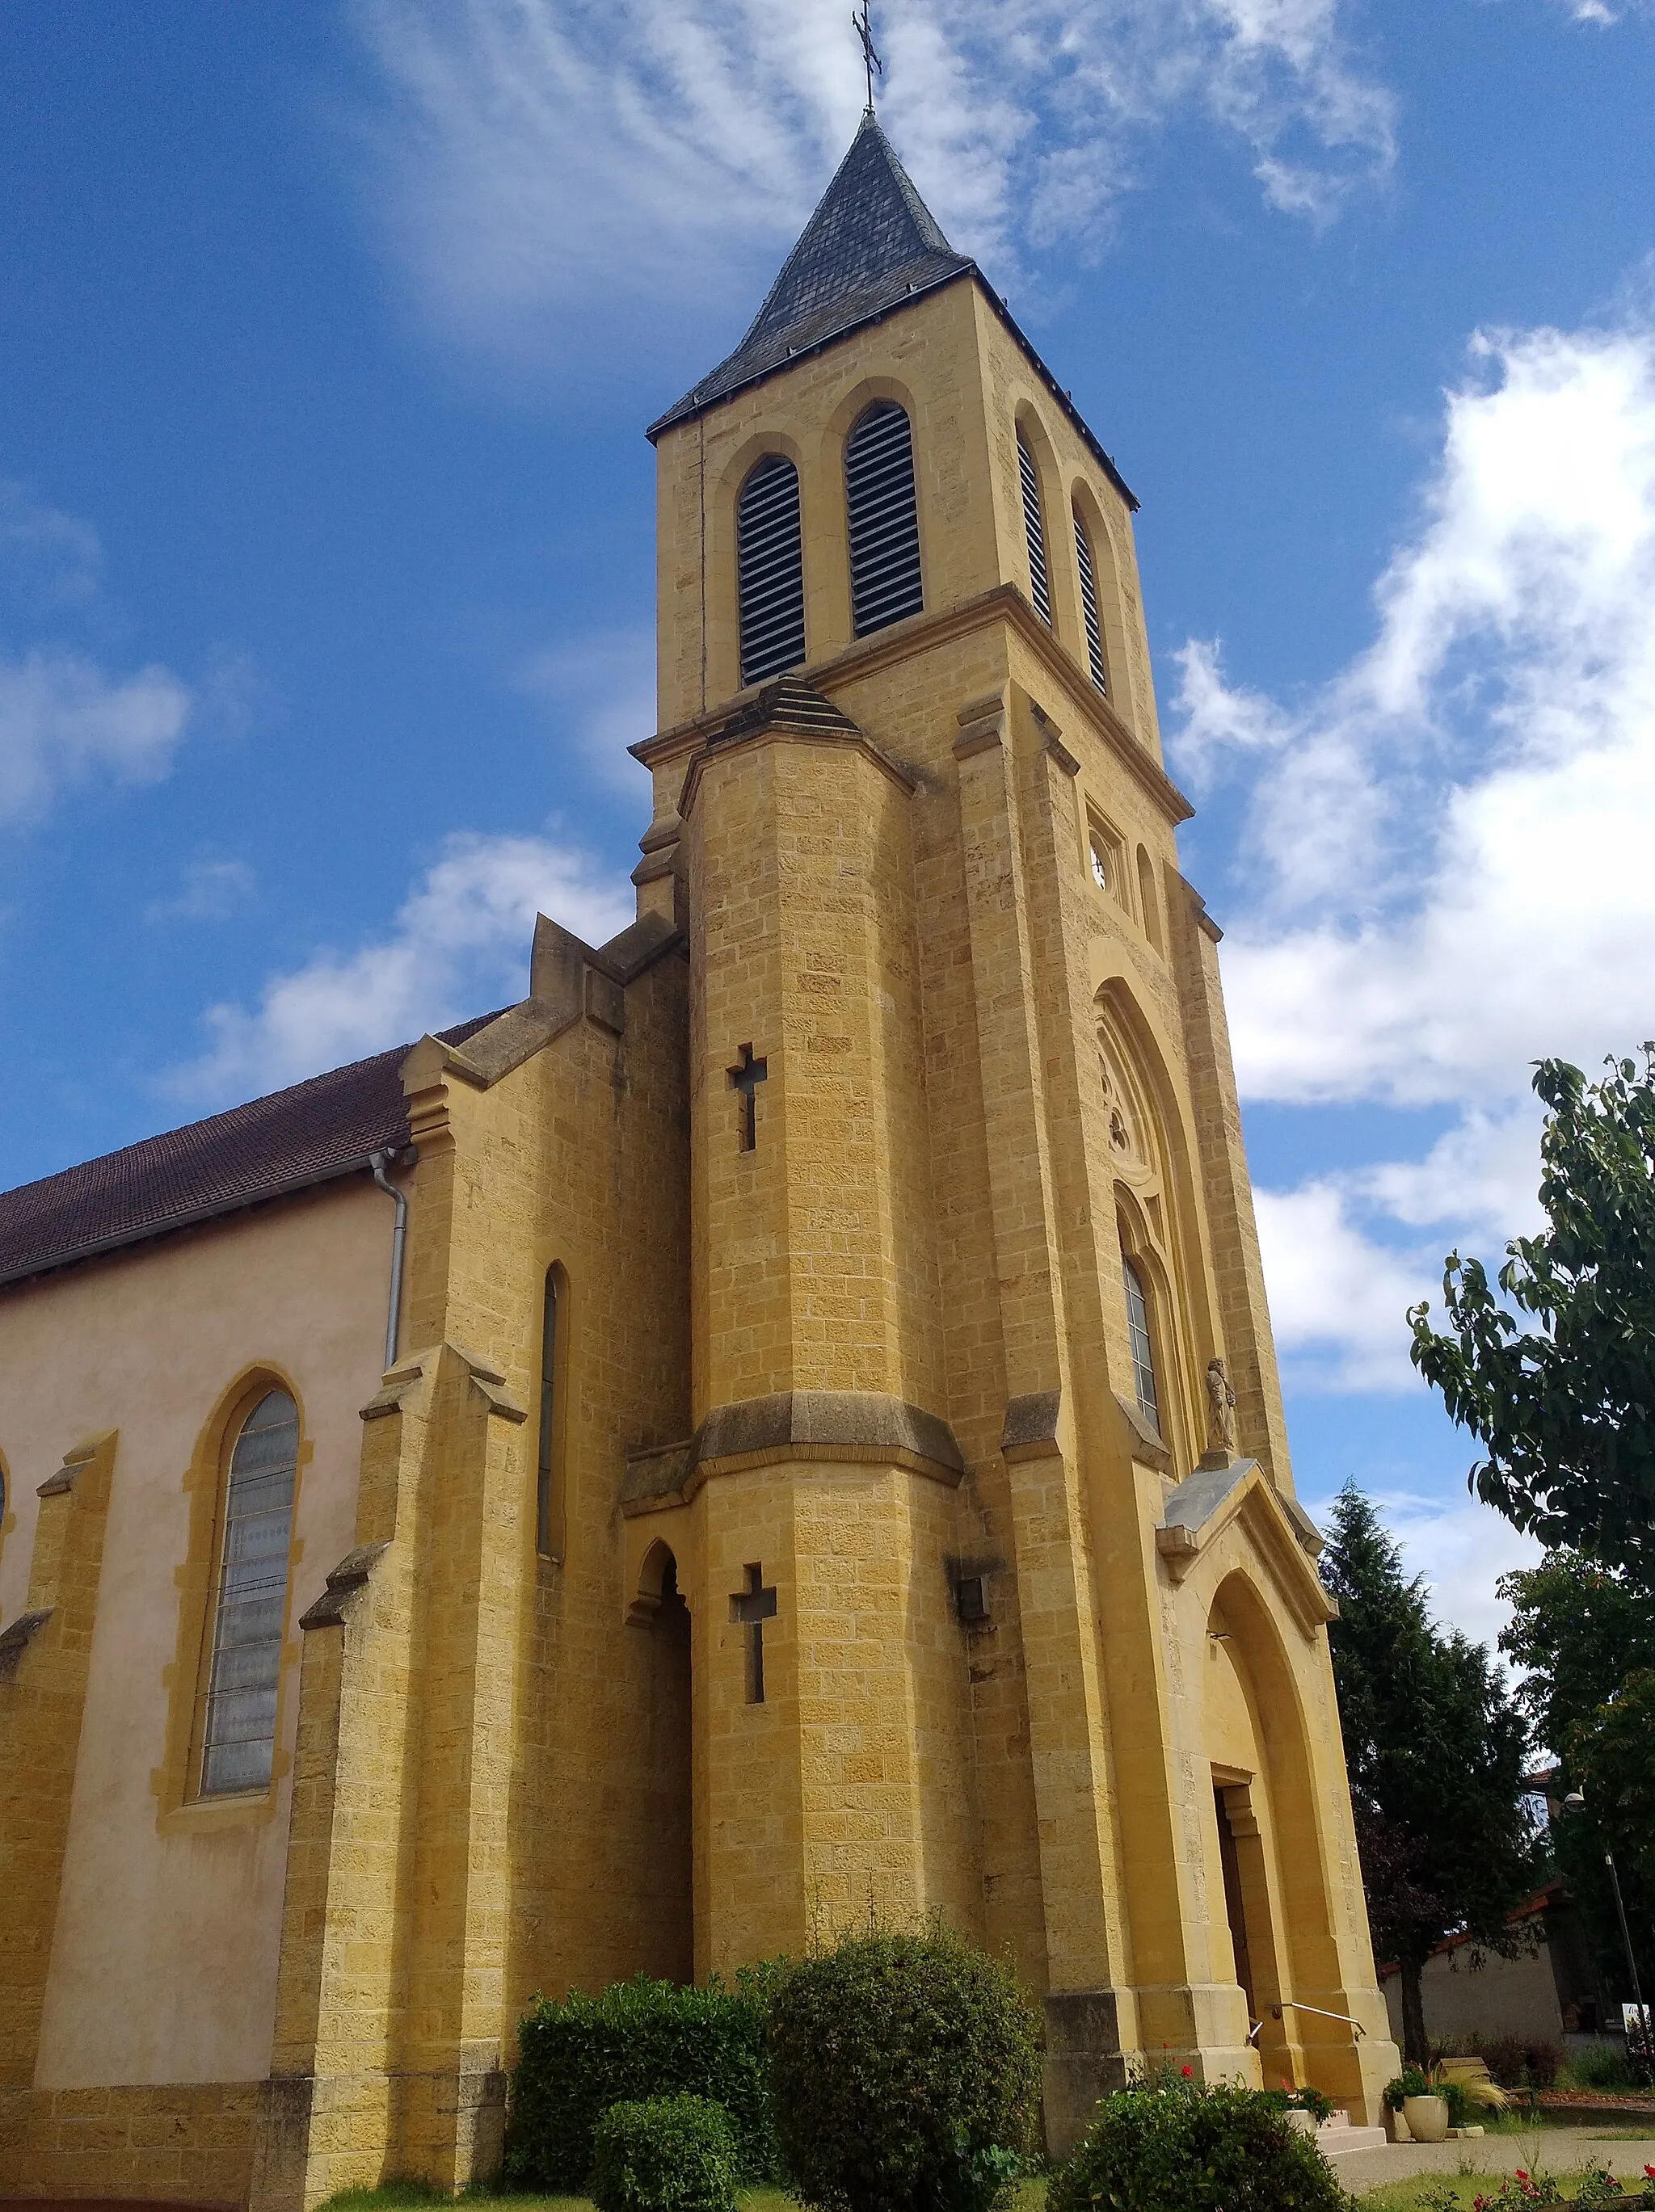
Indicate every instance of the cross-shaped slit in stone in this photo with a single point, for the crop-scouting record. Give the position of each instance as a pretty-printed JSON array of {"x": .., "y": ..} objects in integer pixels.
[
  {"x": 752, "y": 1608},
  {"x": 747, "y": 1078}
]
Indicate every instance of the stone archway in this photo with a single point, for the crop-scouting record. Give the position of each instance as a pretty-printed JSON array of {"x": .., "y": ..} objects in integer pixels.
[{"x": 1265, "y": 1814}]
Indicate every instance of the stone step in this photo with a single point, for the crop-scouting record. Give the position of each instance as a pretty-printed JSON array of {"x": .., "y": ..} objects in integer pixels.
[{"x": 1337, "y": 2138}]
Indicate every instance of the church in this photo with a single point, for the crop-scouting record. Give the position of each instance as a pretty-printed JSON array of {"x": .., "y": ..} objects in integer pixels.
[{"x": 778, "y": 1427}]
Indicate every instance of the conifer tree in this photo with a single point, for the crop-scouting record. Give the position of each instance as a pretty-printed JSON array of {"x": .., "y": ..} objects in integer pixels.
[{"x": 1436, "y": 1750}]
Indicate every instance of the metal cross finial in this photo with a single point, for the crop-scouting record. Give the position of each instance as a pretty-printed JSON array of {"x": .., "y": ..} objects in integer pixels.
[{"x": 870, "y": 60}]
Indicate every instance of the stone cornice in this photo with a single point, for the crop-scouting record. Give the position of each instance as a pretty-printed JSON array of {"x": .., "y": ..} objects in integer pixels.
[
  {"x": 1003, "y": 602},
  {"x": 867, "y": 1426}
]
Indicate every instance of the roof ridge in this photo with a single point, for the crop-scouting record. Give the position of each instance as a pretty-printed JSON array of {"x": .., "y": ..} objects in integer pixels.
[{"x": 307, "y": 1132}]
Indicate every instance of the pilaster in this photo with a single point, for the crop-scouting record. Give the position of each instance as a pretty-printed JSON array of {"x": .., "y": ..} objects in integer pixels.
[{"x": 45, "y": 1655}]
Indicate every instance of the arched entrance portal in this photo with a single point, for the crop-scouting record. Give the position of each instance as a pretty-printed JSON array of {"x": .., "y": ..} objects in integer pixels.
[
  {"x": 1264, "y": 1795},
  {"x": 1246, "y": 1874},
  {"x": 668, "y": 1933}
]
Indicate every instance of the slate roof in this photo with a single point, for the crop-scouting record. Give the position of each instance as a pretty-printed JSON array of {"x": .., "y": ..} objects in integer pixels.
[
  {"x": 309, "y": 1133},
  {"x": 870, "y": 247},
  {"x": 871, "y": 243}
]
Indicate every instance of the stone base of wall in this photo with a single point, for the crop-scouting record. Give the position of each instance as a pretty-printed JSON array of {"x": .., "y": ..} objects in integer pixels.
[
  {"x": 180, "y": 2143},
  {"x": 317, "y": 2136}
]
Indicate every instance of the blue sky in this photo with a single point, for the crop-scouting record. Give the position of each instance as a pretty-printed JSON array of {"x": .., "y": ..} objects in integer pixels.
[{"x": 327, "y": 335}]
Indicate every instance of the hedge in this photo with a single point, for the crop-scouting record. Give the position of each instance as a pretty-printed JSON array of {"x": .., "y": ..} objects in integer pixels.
[{"x": 640, "y": 2041}]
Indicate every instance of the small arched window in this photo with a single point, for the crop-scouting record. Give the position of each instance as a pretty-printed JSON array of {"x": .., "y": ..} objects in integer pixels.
[
  {"x": 883, "y": 519},
  {"x": 1089, "y": 603},
  {"x": 1143, "y": 1352},
  {"x": 1151, "y": 904},
  {"x": 1034, "y": 529},
  {"x": 548, "y": 1489},
  {"x": 239, "y": 1737},
  {"x": 770, "y": 569}
]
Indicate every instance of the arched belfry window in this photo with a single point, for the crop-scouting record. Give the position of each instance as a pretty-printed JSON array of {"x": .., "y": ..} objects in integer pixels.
[
  {"x": 1034, "y": 529},
  {"x": 239, "y": 1737},
  {"x": 883, "y": 519},
  {"x": 1143, "y": 1351},
  {"x": 1089, "y": 603},
  {"x": 770, "y": 569}
]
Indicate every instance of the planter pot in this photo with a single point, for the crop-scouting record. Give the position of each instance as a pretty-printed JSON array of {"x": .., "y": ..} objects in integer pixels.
[
  {"x": 1305, "y": 2121},
  {"x": 1427, "y": 2117}
]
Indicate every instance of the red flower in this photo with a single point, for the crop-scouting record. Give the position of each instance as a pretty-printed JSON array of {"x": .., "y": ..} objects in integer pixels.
[{"x": 1188, "y": 2072}]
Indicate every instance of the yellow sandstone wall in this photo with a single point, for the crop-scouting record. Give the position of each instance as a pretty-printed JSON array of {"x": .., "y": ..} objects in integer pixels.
[
  {"x": 1026, "y": 1005},
  {"x": 479, "y": 1809}
]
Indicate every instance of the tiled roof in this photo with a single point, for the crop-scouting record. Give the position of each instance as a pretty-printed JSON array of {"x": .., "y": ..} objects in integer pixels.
[
  {"x": 308, "y": 1133},
  {"x": 871, "y": 243}
]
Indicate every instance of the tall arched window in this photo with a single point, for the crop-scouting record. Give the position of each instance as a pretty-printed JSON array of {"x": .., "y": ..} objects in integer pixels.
[
  {"x": 1089, "y": 603},
  {"x": 883, "y": 518},
  {"x": 1143, "y": 1352},
  {"x": 239, "y": 1737},
  {"x": 770, "y": 569},
  {"x": 547, "y": 1490},
  {"x": 1034, "y": 529}
]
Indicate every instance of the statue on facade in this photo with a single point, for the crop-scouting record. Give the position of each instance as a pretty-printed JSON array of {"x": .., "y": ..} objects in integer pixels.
[{"x": 1220, "y": 1412}]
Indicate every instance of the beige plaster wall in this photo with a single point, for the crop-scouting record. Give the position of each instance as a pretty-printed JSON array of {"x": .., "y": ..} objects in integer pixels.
[
  {"x": 1500, "y": 1996},
  {"x": 163, "y": 1965}
]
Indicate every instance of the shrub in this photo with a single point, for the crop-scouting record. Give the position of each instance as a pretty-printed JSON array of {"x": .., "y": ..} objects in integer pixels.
[
  {"x": 664, "y": 2155},
  {"x": 905, "y": 2071},
  {"x": 1174, "y": 2144},
  {"x": 1604, "y": 2069},
  {"x": 1286, "y": 2099},
  {"x": 641, "y": 2039},
  {"x": 1516, "y": 2064}
]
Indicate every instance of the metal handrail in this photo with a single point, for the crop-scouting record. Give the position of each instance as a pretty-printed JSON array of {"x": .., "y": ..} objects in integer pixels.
[{"x": 1321, "y": 2011}]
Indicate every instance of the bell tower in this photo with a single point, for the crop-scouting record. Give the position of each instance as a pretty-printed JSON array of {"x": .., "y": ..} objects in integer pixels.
[{"x": 1001, "y": 1604}]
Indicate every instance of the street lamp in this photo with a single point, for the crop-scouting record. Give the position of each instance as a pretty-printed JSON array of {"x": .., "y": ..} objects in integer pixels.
[{"x": 1576, "y": 1802}]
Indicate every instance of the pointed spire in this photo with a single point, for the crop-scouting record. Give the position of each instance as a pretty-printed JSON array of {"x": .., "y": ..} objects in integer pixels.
[{"x": 871, "y": 243}]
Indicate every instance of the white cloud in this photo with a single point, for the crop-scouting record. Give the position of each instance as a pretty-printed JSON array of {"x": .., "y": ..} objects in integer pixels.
[
  {"x": 539, "y": 167},
  {"x": 1337, "y": 1297},
  {"x": 1481, "y": 779},
  {"x": 602, "y": 691},
  {"x": 1461, "y": 1546},
  {"x": 209, "y": 890},
  {"x": 1475, "y": 890},
  {"x": 460, "y": 945},
  {"x": 64, "y": 720},
  {"x": 46, "y": 555}
]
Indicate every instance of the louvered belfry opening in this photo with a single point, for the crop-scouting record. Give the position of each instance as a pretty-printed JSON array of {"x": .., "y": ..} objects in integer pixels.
[
  {"x": 1034, "y": 529},
  {"x": 884, "y": 519},
  {"x": 770, "y": 569},
  {"x": 1089, "y": 603}
]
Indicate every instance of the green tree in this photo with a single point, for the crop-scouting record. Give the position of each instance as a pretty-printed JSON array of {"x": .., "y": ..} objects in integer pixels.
[
  {"x": 1565, "y": 1410},
  {"x": 1436, "y": 1749},
  {"x": 1586, "y": 1637}
]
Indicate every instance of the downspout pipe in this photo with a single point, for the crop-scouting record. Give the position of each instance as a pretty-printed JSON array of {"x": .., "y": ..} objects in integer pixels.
[{"x": 379, "y": 1162}]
